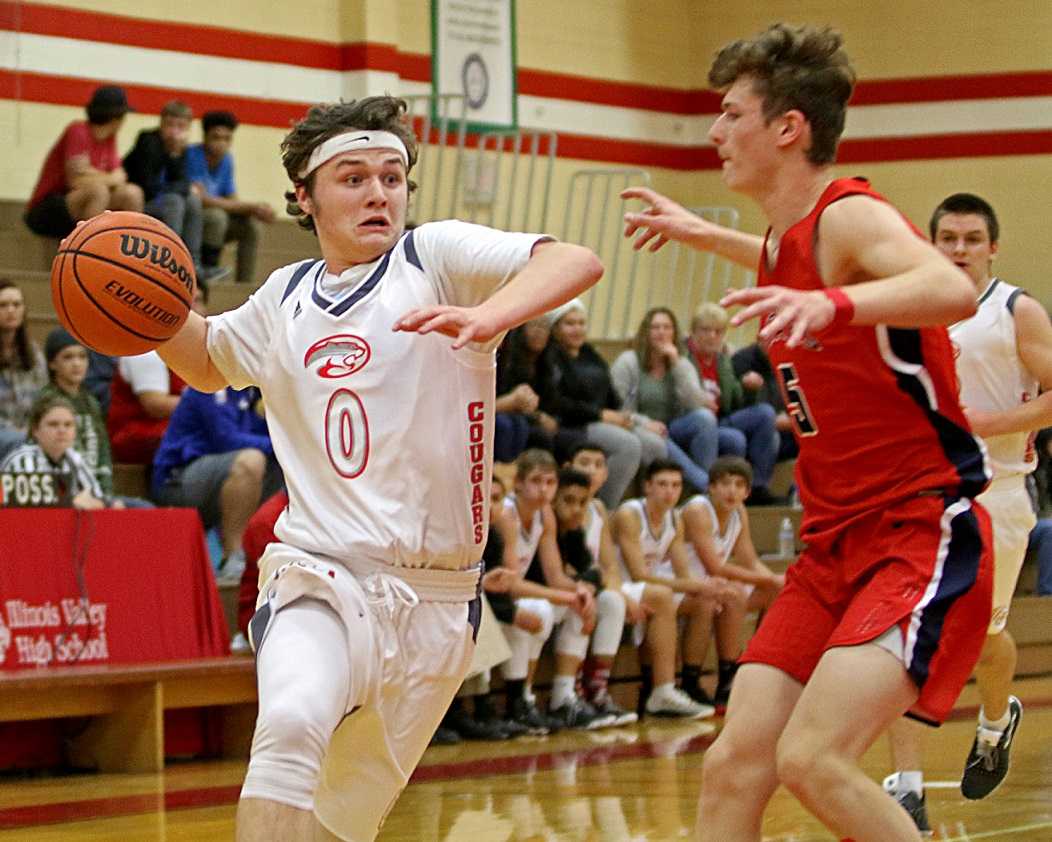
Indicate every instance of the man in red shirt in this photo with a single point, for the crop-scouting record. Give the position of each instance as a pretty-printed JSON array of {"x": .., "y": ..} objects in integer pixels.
[
  {"x": 82, "y": 175},
  {"x": 886, "y": 609}
]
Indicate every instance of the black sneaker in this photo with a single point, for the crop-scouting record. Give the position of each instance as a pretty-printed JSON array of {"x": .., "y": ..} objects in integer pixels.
[
  {"x": 472, "y": 729},
  {"x": 578, "y": 714},
  {"x": 510, "y": 727},
  {"x": 915, "y": 806},
  {"x": 987, "y": 764},
  {"x": 444, "y": 737},
  {"x": 526, "y": 714}
]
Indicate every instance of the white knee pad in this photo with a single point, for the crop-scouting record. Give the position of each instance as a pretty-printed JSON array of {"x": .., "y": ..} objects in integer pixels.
[
  {"x": 517, "y": 665},
  {"x": 610, "y": 608},
  {"x": 546, "y": 611},
  {"x": 303, "y": 689},
  {"x": 571, "y": 640}
]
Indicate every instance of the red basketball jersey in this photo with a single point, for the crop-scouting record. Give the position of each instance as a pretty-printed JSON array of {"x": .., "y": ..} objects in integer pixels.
[{"x": 875, "y": 409}]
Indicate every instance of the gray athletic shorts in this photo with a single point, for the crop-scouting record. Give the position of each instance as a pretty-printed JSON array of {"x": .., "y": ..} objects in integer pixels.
[{"x": 197, "y": 485}]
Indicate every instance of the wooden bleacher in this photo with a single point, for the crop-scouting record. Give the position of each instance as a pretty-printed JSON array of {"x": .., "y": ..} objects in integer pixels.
[{"x": 126, "y": 704}]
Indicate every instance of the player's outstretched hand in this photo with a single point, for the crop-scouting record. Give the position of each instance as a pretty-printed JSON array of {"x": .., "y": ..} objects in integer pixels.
[
  {"x": 662, "y": 221},
  {"x": 790, "y": 313},
  {"x": 464, "y": 324}
]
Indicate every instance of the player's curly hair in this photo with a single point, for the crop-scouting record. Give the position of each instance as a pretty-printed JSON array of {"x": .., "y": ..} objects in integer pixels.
[
  {"x": 803, "y": 68},
  {"x": 378, "y": 113}
]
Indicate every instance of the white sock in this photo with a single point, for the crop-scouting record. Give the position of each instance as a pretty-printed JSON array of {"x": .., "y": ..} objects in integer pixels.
[
  {"x": 998, "y": 725},
  {"x": 662, "y": 690},
  {"x": 563, "y": 690}
]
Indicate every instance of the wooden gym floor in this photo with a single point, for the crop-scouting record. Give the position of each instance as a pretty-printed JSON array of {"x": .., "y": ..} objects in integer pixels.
[{"x": 631, "y": 784}]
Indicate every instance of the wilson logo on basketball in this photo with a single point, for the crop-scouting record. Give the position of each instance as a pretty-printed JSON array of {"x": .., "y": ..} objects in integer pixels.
[
  {"x": 343, "y": 355},
  {"x": 141, "y": 248}
]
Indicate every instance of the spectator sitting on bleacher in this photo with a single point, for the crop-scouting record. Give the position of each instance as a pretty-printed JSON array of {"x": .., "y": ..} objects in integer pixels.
[
  {"x": 588, "y": 552},
  {"x": 719, "y": 543},
  {"x": 753, "y": 359},
  {"x": 662, "y": 391},
  {"x": 746, "y": 427},
  {"x": 23, "y": 372},
  {"x": 157, "y": 163},
  {"x": 82, "y": 174},
  {"x": 50, "y": 453},
  {"x": 649, "y": 608},
  {"x": 574, "y": 385},
  {"x": 519, "y": 423},
  {"x": 483, "y": 723},
  {"x": 144, "y": 394},
  {"x": 216, "y": 456},
  {"x": 67, "y": 362},
  {"x": 531, "y": 551},
  {"x": 650, "y": 538},
  {"x": 210, "y": 166}
]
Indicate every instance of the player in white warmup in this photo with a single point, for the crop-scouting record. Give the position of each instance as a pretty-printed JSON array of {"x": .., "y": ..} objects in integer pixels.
[
  {"x": 377, "y": 365},
  {"x": 1004, "y": 365}
]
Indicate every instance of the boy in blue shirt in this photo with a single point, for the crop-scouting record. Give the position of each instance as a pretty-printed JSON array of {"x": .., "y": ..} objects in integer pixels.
[{"x": 210, "y": 165}]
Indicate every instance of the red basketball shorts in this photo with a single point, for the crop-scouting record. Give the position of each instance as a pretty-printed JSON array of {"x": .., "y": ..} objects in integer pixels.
[{"x": 923, "y": 565}]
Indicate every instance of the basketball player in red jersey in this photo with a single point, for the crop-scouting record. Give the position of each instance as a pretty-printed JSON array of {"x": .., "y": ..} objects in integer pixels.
[{"x": 886, "y": 610}]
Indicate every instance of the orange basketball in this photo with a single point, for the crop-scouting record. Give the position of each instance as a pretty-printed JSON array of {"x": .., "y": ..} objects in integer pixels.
[{"x": 122, "y": 283}]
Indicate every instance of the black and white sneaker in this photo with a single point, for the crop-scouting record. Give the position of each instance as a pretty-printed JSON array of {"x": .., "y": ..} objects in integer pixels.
[
  {"x": 606, "y": 706},
  {"x": 526, "y": 714},
  {"x": 914, "y": 805},
  {"x": 987, "y": 763},
  {"x": 578, "y": 714}
]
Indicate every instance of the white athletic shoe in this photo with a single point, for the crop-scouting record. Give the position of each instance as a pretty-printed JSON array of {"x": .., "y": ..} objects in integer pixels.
[{"x": 671, "y": 701}]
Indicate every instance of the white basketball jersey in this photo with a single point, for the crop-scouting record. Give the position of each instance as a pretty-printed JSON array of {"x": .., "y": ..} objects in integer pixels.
[
  {"x": 385, "y": 438},
  {"x": 654, "y": 546},
  {"x": 724, "y": 540},
  {"x": 992, "y": 377},
  {"x": 526, "y": 539},
  {"x": 593, "y": 530}
]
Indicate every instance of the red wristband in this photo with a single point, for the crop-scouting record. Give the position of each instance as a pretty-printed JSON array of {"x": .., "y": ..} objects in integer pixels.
[{"x": 845, "y": 307}]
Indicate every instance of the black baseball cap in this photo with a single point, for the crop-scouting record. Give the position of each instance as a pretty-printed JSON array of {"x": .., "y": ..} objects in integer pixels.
[{"x": 109, "y": 102}]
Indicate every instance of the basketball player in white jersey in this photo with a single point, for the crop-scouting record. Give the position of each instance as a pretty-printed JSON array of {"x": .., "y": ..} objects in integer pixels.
[
  {"x": 580, "y": 545},
  {"x": 377, "y": 367},
  {"x": 1004, "y": 365},
  {"x": 719, "y": 543},
  {"x": 650, "y": 607},
  {"x": 649, "y": 536},
  {"x": 528, "y": 529}
]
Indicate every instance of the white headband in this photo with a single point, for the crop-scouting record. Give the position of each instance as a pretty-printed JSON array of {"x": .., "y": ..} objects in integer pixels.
[{"x": 353, "y": 140}]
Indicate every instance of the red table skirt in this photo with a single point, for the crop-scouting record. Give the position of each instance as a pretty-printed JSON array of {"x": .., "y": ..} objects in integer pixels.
[{"x": 126, "y": 586}]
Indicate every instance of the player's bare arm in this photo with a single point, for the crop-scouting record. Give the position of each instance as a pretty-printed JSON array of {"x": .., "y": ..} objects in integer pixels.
[
  {"x": 555, "y": 273},
  {"x": 666, "y": 220},
  {"x": 746, "y": 559},
  {"x": 714, "y": 587},
  {"x": 186, "y": 354},
  {"x": 698, "y": 530},
  {"x": 583, "y": 594},
  {"x": 1033, "y": 338},
  {"x": 889, "y": 275},
  {"x": 627, "y": 525},
  {"x": 611, "y": 572}
]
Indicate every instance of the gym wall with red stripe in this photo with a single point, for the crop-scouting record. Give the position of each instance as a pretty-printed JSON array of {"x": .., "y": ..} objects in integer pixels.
[{"x": 953, "y": 96}]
